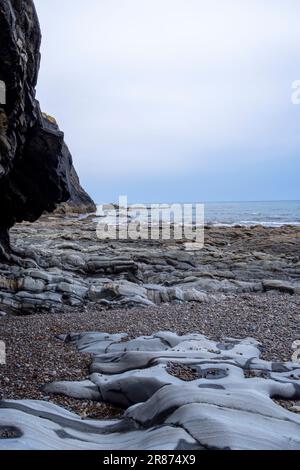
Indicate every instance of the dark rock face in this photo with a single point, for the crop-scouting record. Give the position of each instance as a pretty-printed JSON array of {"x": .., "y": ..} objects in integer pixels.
[
  {"x": 79, "y": 201},
  {"x": 36, "y": 171}
]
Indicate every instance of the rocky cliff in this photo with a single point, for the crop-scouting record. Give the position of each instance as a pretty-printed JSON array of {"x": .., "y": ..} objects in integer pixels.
[
  {"x": 36, "y": 171},
  {"x": 79, "y": 201}
]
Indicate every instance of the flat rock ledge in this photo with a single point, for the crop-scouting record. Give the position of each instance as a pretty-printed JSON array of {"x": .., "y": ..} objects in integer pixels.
[
  {"x": 179, "y": 393},
  {"x": 59, "y": 262}
]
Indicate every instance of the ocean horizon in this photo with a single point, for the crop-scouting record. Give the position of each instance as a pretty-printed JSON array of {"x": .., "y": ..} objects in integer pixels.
[{"x": 250, "y": 213}]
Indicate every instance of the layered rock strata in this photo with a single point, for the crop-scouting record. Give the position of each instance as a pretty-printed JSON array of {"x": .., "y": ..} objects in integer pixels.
[{"x": 61, "y": 263}]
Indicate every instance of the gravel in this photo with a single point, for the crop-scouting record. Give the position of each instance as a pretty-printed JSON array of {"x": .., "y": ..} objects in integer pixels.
[
  {"x": 182, "y": 371},
  {"x": 36, "y": 356}
]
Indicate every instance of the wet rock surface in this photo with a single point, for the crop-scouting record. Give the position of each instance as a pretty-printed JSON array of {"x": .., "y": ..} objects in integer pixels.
[
  {"x": 222, "y": 408},
  {"x": 59, "y": 262}
]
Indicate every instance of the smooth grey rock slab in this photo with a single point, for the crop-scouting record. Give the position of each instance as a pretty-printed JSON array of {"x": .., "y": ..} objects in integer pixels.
[
  {"x": 282, "y": 286},
  {"x": 44, "y": 426},
  {"x": 185, "y": 392},
  {"x": 84, "y": 390}
]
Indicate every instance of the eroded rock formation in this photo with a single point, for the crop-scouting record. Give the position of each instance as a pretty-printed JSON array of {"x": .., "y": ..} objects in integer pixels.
[
  {"x": 62, "y": 263},
  {"x": 181, "y": 393},
  {"x": 36, "y": 171}
]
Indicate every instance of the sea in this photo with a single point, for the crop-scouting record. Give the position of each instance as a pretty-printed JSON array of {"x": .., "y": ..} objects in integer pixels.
[{"x": 266, "y": 213}]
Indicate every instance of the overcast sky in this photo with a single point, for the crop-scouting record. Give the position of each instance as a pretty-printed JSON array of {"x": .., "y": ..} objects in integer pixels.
[{"x": 175, "y": 100}]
